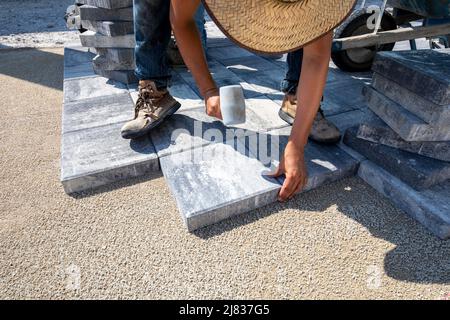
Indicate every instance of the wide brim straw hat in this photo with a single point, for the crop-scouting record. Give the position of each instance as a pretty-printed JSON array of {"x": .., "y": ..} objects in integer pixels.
[{"x": 277, "y": 26}]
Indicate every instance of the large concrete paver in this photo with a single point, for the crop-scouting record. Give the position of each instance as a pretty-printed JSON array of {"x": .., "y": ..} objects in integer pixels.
[{"x": 430, "y": 207}]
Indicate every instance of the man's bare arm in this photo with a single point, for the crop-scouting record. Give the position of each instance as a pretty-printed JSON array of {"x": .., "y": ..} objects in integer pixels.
[
  {"x": 182, "y": 19},
  {"x": 309, "y": 94}
]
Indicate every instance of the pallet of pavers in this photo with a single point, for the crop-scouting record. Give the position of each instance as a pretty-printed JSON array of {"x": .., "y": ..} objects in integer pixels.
[
  {"x": 407, "y": 144},
  {"x": 213, "y": 171},
  {"x": 110, "y": 31}
]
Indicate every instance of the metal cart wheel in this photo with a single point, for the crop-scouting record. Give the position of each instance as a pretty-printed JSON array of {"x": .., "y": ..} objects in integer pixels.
[{"x": 361, "y": 59}]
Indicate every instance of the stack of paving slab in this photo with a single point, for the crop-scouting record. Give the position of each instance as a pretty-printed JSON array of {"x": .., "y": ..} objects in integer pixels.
[
  {"x": 407, "y": 142},
  {"x": 111, "y": 34}
]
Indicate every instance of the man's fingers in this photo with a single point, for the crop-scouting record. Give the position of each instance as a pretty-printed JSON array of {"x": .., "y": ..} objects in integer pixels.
[
  {"x": 287, "y": 189},
  {"x": 300, "y": 186},
  {"x": 219, "y": 114}
]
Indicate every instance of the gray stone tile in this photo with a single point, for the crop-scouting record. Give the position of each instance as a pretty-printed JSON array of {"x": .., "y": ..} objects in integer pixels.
[
  {"x": 99, "y": 156},
  {"x": 430, "y": 207},
  {"x": 81, "y": 70},
  {"x": 350, "y": 119},
  {"x": 263, "y": 82},
  {"x": 193, "y": 128},
  {"x": 424, "y": 72},
  {"x": 86, "y": 88},
  {"x": 75, "y": 56},
  {"x": 324, "y": 163},
  {"x": 417, "y": 171},
  {"x": 216, "y": 182},
  {"x": 101, "y": 63},
  {"x": 118, "y": 55},
  {"x": 97, "y": 40},
  {"x": 336, "y": 102},
  {"x": 185, "y": 95},
  {"x": 231, "y": 52},
  {"x": 96, "y": 112},
  {"x": 94, "y": 13},
  {"x": 403, "y": 122},
  {"x": 107, "y": 4},
  {"x": 426, "y": 110},
  {"x": 109, "y": 28},
  {"x": 249, "y": 64},
  {"x": 266, "y": 110},
  {"x": 123, "y": 76},
  {"x": 379, "y": 132}
]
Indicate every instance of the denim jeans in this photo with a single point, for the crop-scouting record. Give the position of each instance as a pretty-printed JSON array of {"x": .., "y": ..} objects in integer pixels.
[
  {"x": 294, "y": 63},
  {"x": 152, "y": 32},
  {"x": 294, "y": 68}
]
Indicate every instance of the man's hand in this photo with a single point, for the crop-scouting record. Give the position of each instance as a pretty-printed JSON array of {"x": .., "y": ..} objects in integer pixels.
[
  {"x": 212, "y": 101},
  {"x": 292, "y": 164}
]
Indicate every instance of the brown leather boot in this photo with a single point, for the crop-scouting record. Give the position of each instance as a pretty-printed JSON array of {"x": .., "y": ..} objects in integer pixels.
[
  {"x": 151, "y": 108},
  {"x": 323, "y": 131}
]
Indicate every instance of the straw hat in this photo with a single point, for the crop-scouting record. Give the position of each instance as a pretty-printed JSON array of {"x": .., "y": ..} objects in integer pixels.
[{"x": 277, "y": 26}]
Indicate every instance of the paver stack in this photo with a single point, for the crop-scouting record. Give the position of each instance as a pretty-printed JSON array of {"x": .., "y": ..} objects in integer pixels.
[
  {"x": 409, "y": 136},
  {"x": 110, "y": 32}
]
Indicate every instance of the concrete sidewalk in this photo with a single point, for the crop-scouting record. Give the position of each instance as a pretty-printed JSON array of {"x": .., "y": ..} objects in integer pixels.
[{"x": 342, "y": 240}]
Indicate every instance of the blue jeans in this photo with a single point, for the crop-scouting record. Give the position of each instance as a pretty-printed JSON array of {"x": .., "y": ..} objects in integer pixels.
[
  {"x": 294, "y": 63},
  {"x": 152, "y": 32},
  {"x": 294, "y": 68}
]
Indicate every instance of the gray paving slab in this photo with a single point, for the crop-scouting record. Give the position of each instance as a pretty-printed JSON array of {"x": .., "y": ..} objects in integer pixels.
[
  {"x": 99, "y": 156},
  {"x": 351, "y": 118},
  {"x": 430, "y": 207},
  {"x": 222, "y": 76},
  {"x": 424, "y": 72},
  {"x": 80, "y": 70},
  {"x": 91, "y": 87},
  {"x": 426, "y": 110},
  {"x": 379, "y": 132},
  {"x": 123, "y": 76},
  {"x": 325, "y": 163},
  {"x": 404, "y": 123},
  {"x": 249, "y": 64},
  {"x": 181, "y": 91},
  {"x": 93, "y": 13},
  {"x": 417, "y": 171},
  {"x": 101, "y": 63},
  {"x": 216, "y": 182},
  {"x": 193, "y": 128},
  {"x": 75, "y": 56},
  {"x": 335, "y": 102},
  {"x": 231, "y": 52},
  {"x": 118, "y": 55},
  {"x": 96, "y": 112},
  {"x": 93, "y": 39},
  {"x": 108, "y": 4},
  {"x": 109, "y": 28},
  {"x": 263, "y": 82}
]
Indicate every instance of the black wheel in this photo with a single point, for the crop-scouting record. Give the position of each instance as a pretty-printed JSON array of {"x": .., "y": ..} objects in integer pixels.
[{"x": 361, "y": 59}]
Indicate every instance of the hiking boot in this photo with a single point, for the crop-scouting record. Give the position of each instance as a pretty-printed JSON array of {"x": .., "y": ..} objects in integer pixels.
[
  {"x": 323, "y": 131},
  {"x": 151, "y": 108}
]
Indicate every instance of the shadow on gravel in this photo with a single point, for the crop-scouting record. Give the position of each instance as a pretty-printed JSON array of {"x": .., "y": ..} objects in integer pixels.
[
  {"x": 418, "y": 257},
  {"x": 33, "y": 65}
]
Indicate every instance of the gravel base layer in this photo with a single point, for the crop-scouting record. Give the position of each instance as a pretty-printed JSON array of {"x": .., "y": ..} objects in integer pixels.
[
  {"x": 31, "y": 23},
  {"x": 127, "y": 241}
]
